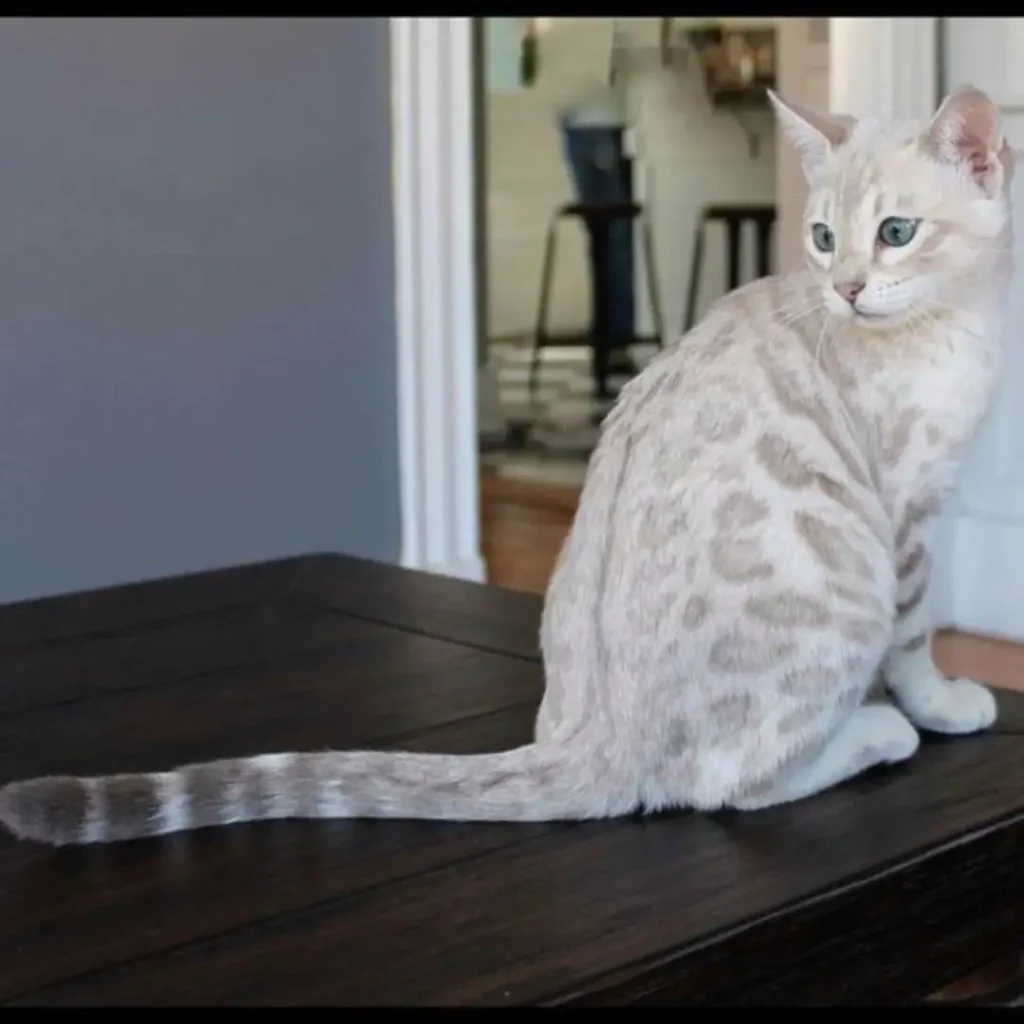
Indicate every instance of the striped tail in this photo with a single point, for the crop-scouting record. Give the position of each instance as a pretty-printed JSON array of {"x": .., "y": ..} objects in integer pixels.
[{"x": 531, "y": 783}]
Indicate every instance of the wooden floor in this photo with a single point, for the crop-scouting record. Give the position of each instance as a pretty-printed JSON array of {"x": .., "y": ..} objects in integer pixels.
[{"x": 524, "y": 524}]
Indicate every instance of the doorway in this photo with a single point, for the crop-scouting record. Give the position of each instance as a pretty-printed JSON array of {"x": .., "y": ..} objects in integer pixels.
[{"x": 667, "y": 113}]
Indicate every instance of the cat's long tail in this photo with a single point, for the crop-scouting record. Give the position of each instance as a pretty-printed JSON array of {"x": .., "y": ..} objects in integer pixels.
[{"x": 531, "y": 783}]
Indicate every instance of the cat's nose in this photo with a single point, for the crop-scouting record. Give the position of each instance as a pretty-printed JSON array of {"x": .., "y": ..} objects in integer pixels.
[{"x": 849, "y": 290}]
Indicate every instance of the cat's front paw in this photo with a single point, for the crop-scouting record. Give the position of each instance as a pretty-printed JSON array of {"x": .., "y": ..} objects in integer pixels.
[{"x": 954, "y": 706}]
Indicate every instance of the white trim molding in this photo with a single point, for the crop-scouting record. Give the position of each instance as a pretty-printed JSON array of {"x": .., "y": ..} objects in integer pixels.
[{"x": 434, "y": 178}]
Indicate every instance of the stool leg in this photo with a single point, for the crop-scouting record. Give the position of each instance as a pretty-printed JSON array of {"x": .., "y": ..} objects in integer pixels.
[
  {"x": 653, "y": 294},
  {"x": 764, "y": 248},
  {"x": 733, "y": 255},
  {"x": 601, "y": 337},
  {"x": 540, "y": 331},
  {"x": 696, "y": 258}
]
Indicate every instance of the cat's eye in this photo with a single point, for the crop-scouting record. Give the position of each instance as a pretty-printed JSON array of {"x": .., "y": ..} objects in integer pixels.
[
  {"x": 897, "y": 231},
  {"x": 822, "y": 237}
]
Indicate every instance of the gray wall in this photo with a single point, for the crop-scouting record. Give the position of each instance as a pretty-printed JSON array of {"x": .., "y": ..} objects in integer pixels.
[{"x": 197, "y": 346}]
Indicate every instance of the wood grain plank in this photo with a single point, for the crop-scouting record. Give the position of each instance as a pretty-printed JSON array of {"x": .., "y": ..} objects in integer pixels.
[
  {"x": 888, "y": 940},
  {"x": 71, "y": 911},
  {"x": 319, "y": 680},
  {"x": 396, "y": 683},
  {"x": 490, "y": 618},
  {"x": 160, "y": 651},
  {"x": 532, "y": 922},
  {"x": 329, "y": 651},
  {"x": 112, "y": 609}
]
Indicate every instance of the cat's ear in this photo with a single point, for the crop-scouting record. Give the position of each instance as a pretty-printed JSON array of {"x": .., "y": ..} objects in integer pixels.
[
  {"x": 965, "y": 130},
  {"x": 813, "y": 134}
]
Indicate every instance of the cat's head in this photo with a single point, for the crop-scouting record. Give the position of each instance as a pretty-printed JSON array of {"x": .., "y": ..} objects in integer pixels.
[{"x": 903, "y": 219}]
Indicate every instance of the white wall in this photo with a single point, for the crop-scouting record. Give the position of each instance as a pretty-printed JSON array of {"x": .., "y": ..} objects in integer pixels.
[
  {"x": 688, "y": 155},
  {"x": 986, "y": 532}
]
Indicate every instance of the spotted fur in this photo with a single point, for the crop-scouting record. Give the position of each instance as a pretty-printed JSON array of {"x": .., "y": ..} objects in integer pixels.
[{"x": 752, "y": 548}]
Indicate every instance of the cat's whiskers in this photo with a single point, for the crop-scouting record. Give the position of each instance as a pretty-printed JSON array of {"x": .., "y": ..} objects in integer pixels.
[
  {"x": 789, "y": 315},
  {"x": 821, "y": 342}
]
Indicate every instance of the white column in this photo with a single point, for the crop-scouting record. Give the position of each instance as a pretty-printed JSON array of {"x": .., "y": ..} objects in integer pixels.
[
  {"x": 435, "y": 298},
  {"x": 884, "y": 67}
]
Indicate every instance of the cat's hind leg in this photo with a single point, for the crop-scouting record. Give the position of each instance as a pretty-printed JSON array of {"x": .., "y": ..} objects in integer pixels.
[{"x": 873, "y": 734}]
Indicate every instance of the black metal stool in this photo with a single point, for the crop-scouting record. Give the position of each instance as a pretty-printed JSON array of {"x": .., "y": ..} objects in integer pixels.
[
  {"x": 734, "y": 217},
  {"x": 597, "y": 220}
]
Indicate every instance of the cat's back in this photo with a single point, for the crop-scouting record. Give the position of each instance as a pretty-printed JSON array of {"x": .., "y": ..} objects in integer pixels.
[
  {"x": 716, "y": 372},
  {"x": 742, "y": 401}
]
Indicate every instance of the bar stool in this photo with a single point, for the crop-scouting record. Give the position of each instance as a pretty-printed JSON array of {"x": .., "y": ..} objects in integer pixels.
[
  {"x": 597, "y": 219},
  {"x": 734, "y": 217}
]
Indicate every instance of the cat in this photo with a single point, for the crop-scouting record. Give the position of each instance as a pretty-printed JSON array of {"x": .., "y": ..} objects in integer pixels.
[{"x": 752, "y": 545}]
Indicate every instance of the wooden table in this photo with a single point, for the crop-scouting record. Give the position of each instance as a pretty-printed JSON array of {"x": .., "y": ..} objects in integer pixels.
[{"x": 879, "y": 892}]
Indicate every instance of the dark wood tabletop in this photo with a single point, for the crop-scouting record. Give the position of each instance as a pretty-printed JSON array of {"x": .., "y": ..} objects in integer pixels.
[{"x": 878, "y": 892}]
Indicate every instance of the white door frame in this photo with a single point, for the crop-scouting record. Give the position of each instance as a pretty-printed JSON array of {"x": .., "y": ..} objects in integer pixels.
[
  {"x": 433, "y": 176},
  {"x": 434, "y": 179}
]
